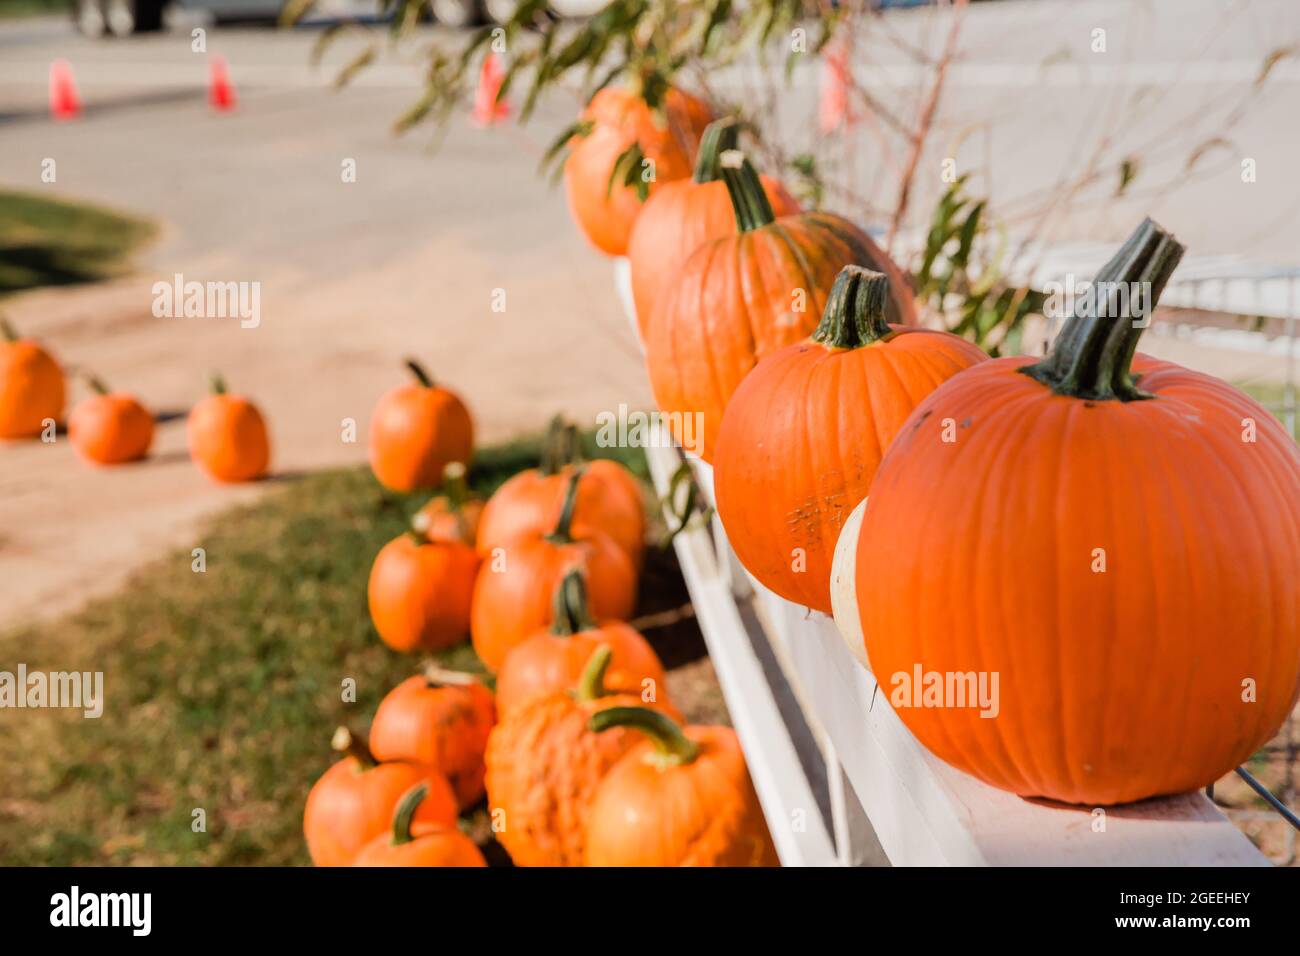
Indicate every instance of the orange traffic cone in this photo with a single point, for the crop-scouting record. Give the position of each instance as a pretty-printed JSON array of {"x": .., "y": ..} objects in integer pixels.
[
  {"x": 65, "y": 102},
  {"x": 221, "y": 92},
  {"x": 487, "y": 109}
]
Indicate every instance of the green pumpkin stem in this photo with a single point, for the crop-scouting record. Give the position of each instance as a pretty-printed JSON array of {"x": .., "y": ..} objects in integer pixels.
[
  {"x": 217, "y": 382},
  {"x": 564, "y": 526},
  {"x": 349, "y": 745},
  {"x": 421, "y": 374},
  {"x": 1092, "y": 355},
  {"x": 672, "y": 748},
  {"x": 553, "y": 447},
  {"x": 719, "y": 137},
  {"x": 405, "y": 812},
  {"x": 855, "y": 310},
  {"x": 435, "y": 676},
  {"x": 455, "y": 489},
  {"x": 591, "y": 685},
  {"x": 748, "y": 201},
  {"x": 572, "y": 615},
  {"x": 96, "y": 384}
]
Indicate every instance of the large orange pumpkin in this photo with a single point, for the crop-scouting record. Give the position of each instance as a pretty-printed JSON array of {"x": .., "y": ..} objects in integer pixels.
[
  {"x": 354, "y": 799},
  {"x": 735, "y": 300},
  {"x": 419, "y": 592},
  {"x": 453, "y": 515},
  {"x": 31, "y": 386},
  {"x": 684, "y": 214},
  {"x": 616, "y": 119},
  {"x": 513, "y": 596},
  {"x": 553, "y": 659},
  {"x": 681, "y": 798},
  {"x": 416, "y": 431},
  {"x": 803, "y": 435},
  {"x": 412, "y": 844},
  {"x": 439, "y": 719},
  {"x": 227, "y": 436},
  {"x": 543, "y": 765},
  {"x": 110, "y": 428},
  {"x": 1118, "y": 545}
]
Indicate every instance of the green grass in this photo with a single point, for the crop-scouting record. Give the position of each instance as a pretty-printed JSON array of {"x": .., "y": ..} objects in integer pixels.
[
  {"x": 1270, "y": 394},
  {"x": 222, "y": 689},
  {"x": 12, "y": 9},
  {"x": 51, "y": 242}
]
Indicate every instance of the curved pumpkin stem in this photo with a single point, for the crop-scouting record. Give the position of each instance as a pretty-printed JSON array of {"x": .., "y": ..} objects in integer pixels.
[
  {"x": 405, "y": 812},
  {"x": 572, "y": 614},
  {"x": 217, "y": 383},
  {"x": 563, "y": 527},
  {"x": 349, "y": 745},
  {"x": 421, "y": 374},
  {"x": 96, "y": 384},
  {"x": 719, "y": 137},
  {"x": 1092, "y": 355},
  {"x": 554, "y": 447},
  {"x": 591, "y": 685},
  {"x": 855, "y": 310},
  {"x": 672, "y": 748},
  {"x": 748, "y": 201}
]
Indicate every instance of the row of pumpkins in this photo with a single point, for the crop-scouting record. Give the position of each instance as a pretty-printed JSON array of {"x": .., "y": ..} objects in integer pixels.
[{"x": 1116, "y": 538}]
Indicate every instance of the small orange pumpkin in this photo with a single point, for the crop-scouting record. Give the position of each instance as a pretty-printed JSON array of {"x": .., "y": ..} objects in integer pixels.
[
  {"x": 227, "y": 436},
  {"x": 354, "y": 799},
  {"x": 615, "y": 120},
  {"x": 803, "y": 435},
  {"x": 553, "y": 660},
  {"x": 420, "y": 591},
  {"x": 513, "y": 596},
  {"x": 110, "y": 428},
  {"x": 453, "y": 515},
  {"x": 682, "y": 215},
  {"x": 416, "y": 430},
  {"x": 410, "y": 844},
  {"x": 737, "y": 299},
  {"x": 683, "y": 798},
  {"x": 439, "y": 719},
  {"x": 31, "y": 386}
]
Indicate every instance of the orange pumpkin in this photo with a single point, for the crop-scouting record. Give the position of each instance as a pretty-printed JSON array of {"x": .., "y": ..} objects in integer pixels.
[
  {"x": 516, "y": 584},
  {"x": 419, "y": 592},
  {"x": 354, "y": 799},
  {"x": 735, "y": 300},
  {"x": 31, "y": 386},
  {"x": 227, "y": 436},
  {"x": 543, "y": 765},
  {"x": 553, "y": 660},
  {"x": 682, "y": 798},
  {"x": 410, "y": 844},
  {"x": 615, "y": 120},
  {"x": 609, "y": 499},
  {"x": 686, "y": 213},
  {"x": 453, "y": 515},
  {"x": 1117, "y": 545},
  {"x": 803, "y": 435},
  {"x": 439, "y": 719},
  {"x": 416, "y": 431},
  {"x": 109, "y": 429}
]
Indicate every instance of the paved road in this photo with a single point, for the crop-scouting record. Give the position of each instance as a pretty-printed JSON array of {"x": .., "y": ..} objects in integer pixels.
[{"x": 405, "y": 260}]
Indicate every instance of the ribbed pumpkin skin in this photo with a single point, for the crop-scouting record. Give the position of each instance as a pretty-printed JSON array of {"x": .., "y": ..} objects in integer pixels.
[
  {"x": 620, "y": 118},
  {"x": 110, "y": 429},
  {"x": 31, "y": 388},
  {"x": 415, "y": 432},
  {"x": 801, "y": 441},
  {"x": 676, "y": 220},
  {"x": 228, "y": 438},
  {"x": 1114, "y": 686},
  {"x": 733, "y": 303},
  {"x": 704, "y": 813},
  {"x": 419, "y": 594}
]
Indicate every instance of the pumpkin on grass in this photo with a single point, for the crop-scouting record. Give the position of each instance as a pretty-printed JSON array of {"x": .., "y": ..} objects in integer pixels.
[
  {"x": 416, "y": 431},
  {"x": 620, "y": 126},
  {"x": 1116, "y": 538},
  {"x": 412, "y": 844},
  {"x": 110, "y": 428},
  {"x": 353, "y": 802},
  {"x": 680, "y": 798},
  {"x": 419, "y": 592},
  {"x": 438, "y": 719},
  {"x": 553, "y": 659},
  {"x": 805, "y": 431},
  {"x": 514, "y": 593},
  {"x": 227, "y": 436},
  {"x": 453, "y": 515},
  {"x": 684, "y": 214},
  {"x": 544, "y": 764},
  {"x": 737, "y": 299},
  {"x": 31, "y": 386}
]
